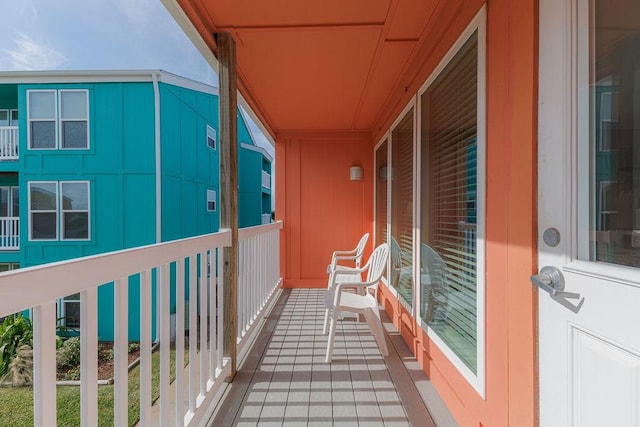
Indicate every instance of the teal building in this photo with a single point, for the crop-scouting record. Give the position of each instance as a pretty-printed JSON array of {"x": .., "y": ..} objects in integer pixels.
[{"x": 92, "y": 162}]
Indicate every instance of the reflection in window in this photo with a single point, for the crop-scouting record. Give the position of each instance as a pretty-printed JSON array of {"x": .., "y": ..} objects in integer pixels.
[
  {"x": 401, "y": 245},
  {"x": 448, "y": 282},
  {"x": 75, "y": 210},
  {"x": 614, "y": 123}
]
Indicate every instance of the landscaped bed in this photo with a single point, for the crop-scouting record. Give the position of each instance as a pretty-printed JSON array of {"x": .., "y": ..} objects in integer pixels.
[{"x": 16, "y": 408}]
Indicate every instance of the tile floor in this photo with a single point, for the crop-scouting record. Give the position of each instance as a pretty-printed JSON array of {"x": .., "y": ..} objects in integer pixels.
[{"x": 284, "y": 380}]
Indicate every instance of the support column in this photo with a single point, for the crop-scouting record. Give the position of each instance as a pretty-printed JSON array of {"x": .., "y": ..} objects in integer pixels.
[{"x": 229, "y": 188}]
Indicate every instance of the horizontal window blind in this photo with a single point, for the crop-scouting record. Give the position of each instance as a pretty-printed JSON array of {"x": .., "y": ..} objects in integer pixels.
[
  {"x": 381, "y": 193},
  {"x": 449, "y": 153},
  {"x": 402, "y": 207}
]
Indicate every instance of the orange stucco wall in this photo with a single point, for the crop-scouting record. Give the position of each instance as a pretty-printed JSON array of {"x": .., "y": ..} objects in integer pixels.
[{"x": 323, "y": 210}]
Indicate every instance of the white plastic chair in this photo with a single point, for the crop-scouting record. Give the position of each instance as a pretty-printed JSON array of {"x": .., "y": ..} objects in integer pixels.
[
  {"x": 365, "y": 303},
  {"x": 347, "y": 273},
  {"x": 354, "y": 255}
]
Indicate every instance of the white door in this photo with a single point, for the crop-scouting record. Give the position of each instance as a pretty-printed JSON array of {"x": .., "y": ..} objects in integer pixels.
[{"x": 589, "y": 212}]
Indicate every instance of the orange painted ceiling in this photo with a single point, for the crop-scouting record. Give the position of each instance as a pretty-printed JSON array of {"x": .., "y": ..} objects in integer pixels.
[{"x": 320, "y": 65}]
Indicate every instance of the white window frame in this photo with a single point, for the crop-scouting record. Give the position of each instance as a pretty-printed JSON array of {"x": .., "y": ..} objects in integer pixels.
[
  {"x": 58, "y": 120},
  {"x": 411, "y": 306},
  {"x": 62, "y": 310},
  {"x": 54, "y": 118},
  {"x": 29, "y": 184},
  {"x": 212, "y": 197},
  {"x": 476, "y": 380},
  {"x": 211, "y": 135},
  {"x": 59, "y": 211},
  {"x": 386, "y": 137},
  {"x": 61, "y": 120},
  {"x": 62, "y": 211}
]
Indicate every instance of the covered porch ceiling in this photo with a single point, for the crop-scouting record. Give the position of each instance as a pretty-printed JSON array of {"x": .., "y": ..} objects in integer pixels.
[{"x": 322, "y": 65}]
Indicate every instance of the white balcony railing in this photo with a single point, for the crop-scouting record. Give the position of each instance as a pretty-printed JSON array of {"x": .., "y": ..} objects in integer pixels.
[
  {"x": 8, "y": 143},
  {"x": 9, "y": 233},
  {"x": 162, "y": 267},
  {"x": 266, "y": 218},
  {"x": 266, "y": 180}
]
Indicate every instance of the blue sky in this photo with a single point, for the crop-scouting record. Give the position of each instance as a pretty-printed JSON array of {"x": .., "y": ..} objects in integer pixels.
[{"x": 98, "y": 35}]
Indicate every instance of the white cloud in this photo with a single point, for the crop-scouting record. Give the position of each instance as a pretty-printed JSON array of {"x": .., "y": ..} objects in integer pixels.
[{"x": 28, "y": 54}]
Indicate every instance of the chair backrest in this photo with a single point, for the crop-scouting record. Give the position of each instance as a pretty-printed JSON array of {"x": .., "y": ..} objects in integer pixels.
[
  {"x": 360, "y": 249},
  {"x": 437, "y": 299},
  {"x": 396, "y": 253},
  {"x": 377, "y": 263}
]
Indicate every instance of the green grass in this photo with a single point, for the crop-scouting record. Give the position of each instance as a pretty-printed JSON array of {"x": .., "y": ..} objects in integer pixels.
[{"x": 16, "y": 403}]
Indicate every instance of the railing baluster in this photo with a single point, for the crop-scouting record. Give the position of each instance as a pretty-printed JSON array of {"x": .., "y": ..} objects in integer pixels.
[
  {"x": 179, "y": 382},
  {"x": 165, "y": 353},
  {"x": 204, "y": 374},
  {"x": 255, "y": 286},
  {"x": 220, "y": 310},
  {"x": 193, "y": 334},
  {"x": 89, "y": 357},
  {"x": 121, "y": 385},
  {"x": 44, "y": 364},
  {"x": 145, "y": 348},
  {"x": 213, "y": 313}
]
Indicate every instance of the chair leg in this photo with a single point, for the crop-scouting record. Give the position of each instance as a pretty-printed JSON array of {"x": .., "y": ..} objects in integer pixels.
[
  {"x": 325, "y": 327},
  {"x": 332, "y": 335},
  {"x": 373, "y": 319}
]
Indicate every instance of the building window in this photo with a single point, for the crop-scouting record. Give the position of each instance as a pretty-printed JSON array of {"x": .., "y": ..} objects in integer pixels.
[
  {"x": 49, "y": 201},
  {"x": 42, "y": 115},
  {"x": 401, "y": 220},
  {"x": 211, "y": 137},
  {"x": 9, "y": 206},
  {"x": 452, "y": 213},
  {"x": 43, "y": 210},
  {"x": 211, "y": 201},
  {"x": 8, "y": 117},
  {"x": 75, "y": 210},
  {"x": 70, "y": 311},
  {"x": 8, "y": 266},
  {"x": 58, "y": 119},
  {"x": 74, "y": 117}
]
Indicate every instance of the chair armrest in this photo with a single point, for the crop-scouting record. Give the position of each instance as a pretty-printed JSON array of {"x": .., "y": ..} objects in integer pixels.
[
  {"x": 335, "y": 259},
  {"x": 350, "y": 285},
  {"x": 336, "y": 254}
]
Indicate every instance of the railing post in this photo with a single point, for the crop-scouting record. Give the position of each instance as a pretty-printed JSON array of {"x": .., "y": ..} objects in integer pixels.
[
  {"x": 229, "y": 188},
  {"x": 44, "y": 364}
]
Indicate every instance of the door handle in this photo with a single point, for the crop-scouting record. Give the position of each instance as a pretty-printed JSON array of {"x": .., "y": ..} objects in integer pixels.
[{"x": 551, "y": 280}]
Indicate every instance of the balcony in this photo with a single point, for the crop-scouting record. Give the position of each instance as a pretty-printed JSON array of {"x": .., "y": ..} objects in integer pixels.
[
  {"x": 8, "y": 143},
  {"x": 266, "y": 180},
  {"x": 9, "y": 233},
  {"x": 278, "y": 338}
]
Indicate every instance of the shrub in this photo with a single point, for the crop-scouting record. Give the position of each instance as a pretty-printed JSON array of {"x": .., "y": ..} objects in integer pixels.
[
  {"x": 68, "y": 356},
  {"x": 105, "y": 353},
  {"x": 134, "y": 346},
  {"x": 15, "y": 332},
  {"x": 20, "y": 372}
]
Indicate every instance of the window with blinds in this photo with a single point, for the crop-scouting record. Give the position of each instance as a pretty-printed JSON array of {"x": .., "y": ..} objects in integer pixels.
[
  {"x": 381, "y": 193},
  {"x": 448, "y": 280},
  {"x": 401, "y": 243}
]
